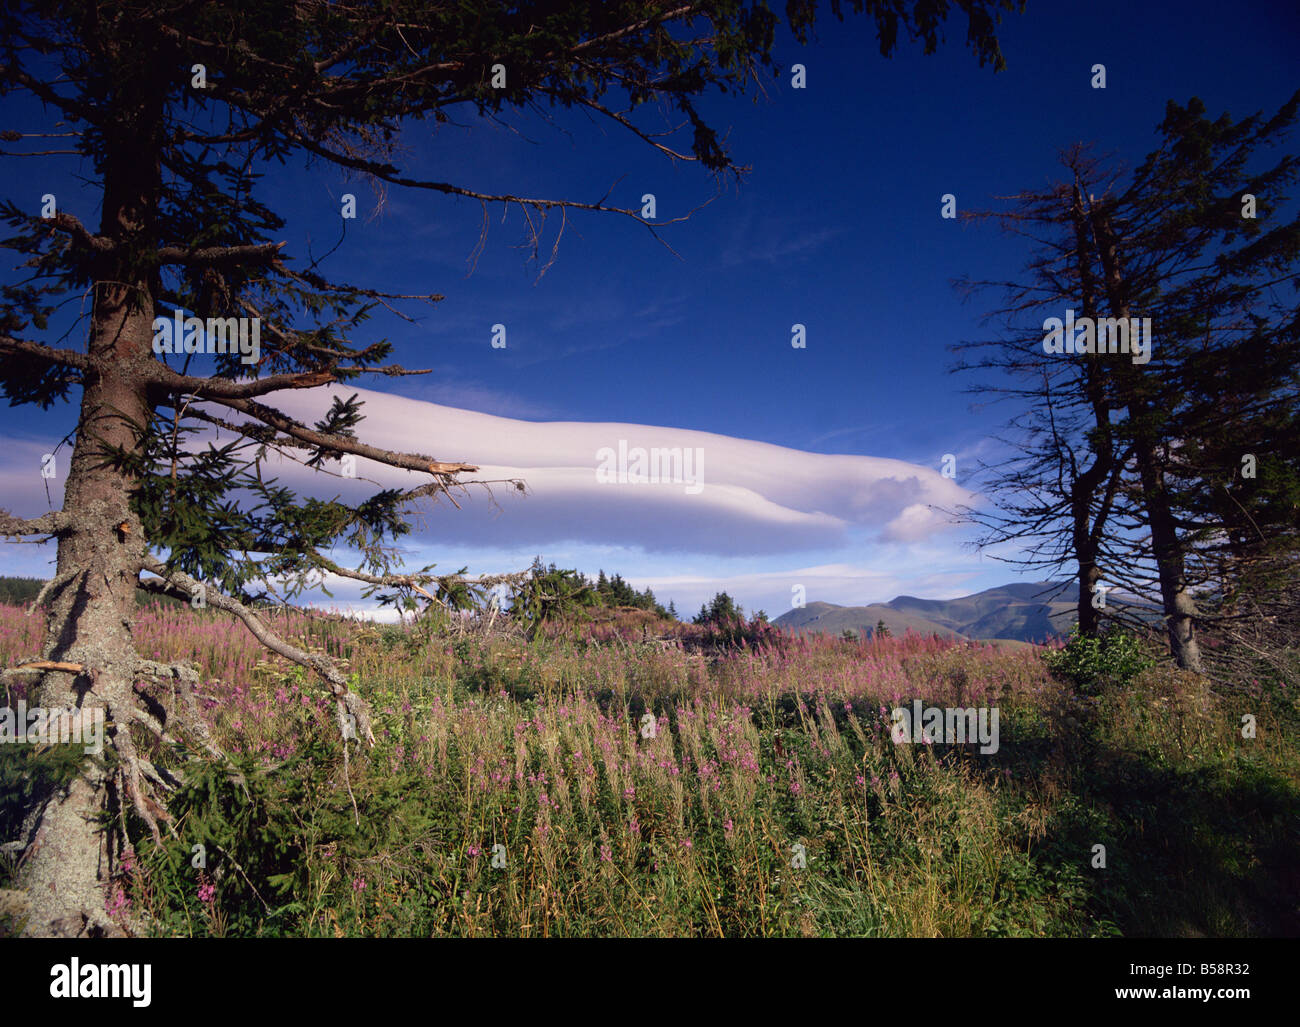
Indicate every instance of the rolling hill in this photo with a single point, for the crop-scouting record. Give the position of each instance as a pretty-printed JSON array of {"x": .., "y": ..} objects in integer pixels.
[{"x": 1021, "y": 612}]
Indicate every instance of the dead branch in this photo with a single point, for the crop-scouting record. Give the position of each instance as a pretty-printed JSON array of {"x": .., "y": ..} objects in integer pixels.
[{"x": 348, "y": 702}]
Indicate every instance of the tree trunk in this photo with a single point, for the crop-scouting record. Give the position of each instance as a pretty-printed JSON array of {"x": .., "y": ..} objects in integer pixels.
[
  {"x": 1089, "y": 575},
  {"x": 91, "y": 612},
  {"x": 1087, "y": 533},
  {"x": 70, "y": 854},
  {"x": 1179, "y": 607}
]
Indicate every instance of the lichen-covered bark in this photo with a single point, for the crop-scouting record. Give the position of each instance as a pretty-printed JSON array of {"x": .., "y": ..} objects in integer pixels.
[{"x": 65, "y": 869}]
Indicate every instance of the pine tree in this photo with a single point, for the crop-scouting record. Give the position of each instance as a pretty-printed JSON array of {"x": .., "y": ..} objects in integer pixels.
[
  {"x": 1126, "y": 465},
  {"x": 175, "y": 107}
]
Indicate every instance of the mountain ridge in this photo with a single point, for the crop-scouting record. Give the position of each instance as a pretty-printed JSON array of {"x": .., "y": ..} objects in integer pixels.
[{"x": 1018, "y": 612}]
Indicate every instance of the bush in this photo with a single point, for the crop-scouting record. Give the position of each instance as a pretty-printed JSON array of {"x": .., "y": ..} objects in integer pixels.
[{"x": 1093, "y": 664}]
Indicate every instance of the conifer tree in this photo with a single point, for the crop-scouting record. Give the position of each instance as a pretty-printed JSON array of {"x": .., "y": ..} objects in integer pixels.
[
  {"x": 176, "y": 109},
  {"x": 1129, "y": 464}
]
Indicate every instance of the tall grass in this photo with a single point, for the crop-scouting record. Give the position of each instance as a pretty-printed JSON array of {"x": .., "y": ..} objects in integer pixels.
[{"x": 518, "y": 789}]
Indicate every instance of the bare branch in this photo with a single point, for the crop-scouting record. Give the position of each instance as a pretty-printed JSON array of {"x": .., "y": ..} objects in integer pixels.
[
  {"x": 64, "y": 357},
  {"x": 342, "y": 443},
  {"x": 47, "y": 524},
  {"x": 170, "y": 581},
  {"x": 207, "y": 255},
  {"x": 221, "y": 387}
]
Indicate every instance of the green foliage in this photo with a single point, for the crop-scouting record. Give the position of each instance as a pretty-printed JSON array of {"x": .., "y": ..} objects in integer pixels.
[
  {"x": 1093, "y": 664},
  {"x": 722, "y": 611},
  {"x": 550, "y": 595},
  {"x": 269, "y": 836},
  {"x": 23, "y": 591},
  {"x": 19, "y": 591},
  {"x": 617, "y": 592},
  {"x": 486, "y": 740}
]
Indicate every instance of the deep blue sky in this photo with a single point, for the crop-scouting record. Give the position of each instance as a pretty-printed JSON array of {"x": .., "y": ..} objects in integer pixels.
[{"x": 837, "y": 227}]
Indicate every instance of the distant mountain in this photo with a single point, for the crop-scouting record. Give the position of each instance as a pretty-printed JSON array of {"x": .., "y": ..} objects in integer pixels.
[{"x": 1021, "y": 612}]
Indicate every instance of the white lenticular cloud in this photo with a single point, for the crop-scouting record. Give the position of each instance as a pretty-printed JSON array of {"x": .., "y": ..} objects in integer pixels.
[{"x": 748, "y": 498}]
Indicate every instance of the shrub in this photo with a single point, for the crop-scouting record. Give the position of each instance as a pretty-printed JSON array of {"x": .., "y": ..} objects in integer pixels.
[{"x": 1092, "y": 664}]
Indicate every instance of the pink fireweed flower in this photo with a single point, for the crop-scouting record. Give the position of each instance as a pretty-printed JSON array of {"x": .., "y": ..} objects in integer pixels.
[
  {"x": 207, "y": 892},
  {"x": 118, "y": 904},
  {"x": 358, "y": 884}
]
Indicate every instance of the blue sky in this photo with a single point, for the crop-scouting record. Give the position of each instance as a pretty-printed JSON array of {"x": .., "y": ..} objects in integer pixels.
[{"x": 837, "y": 227}]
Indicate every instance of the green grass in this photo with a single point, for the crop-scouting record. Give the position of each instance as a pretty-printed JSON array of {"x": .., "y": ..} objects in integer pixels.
[{"x": 538, "y": 749}]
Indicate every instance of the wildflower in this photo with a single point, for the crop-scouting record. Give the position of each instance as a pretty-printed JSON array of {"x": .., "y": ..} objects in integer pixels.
[
  {"x": 358, "y": 884},
  {"x": 207, "y": 892},
  {"x": 118, "y": 904}
]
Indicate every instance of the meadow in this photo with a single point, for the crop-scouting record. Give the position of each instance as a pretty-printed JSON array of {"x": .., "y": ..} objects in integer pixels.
[{"x": 518, "y": 788}]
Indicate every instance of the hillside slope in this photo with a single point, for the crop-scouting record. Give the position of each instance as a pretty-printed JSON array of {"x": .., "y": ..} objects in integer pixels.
[{"x": 1023, "y": 612}]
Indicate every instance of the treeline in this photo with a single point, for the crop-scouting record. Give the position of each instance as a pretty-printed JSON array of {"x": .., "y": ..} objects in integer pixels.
[
  {"x": 617, "y": 592},
  {"x": 19, "y": 591},
  {"x": 16, "y": 591}
]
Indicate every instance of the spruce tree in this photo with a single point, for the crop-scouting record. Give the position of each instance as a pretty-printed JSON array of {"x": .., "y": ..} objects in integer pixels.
[{"x": 177, "y": 109}]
